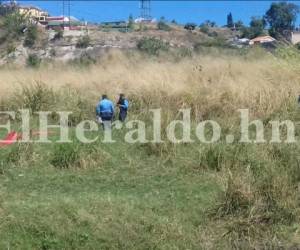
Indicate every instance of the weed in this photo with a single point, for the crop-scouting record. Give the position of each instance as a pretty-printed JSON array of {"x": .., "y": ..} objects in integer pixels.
[
  {"x": 83, "y": 42},
  {"x": 65, "y": 155},
  {"x": 33, "y": 61}
]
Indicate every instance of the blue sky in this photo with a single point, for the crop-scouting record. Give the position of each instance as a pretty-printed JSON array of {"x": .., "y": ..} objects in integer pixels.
[{"x": 182, "y": 11}]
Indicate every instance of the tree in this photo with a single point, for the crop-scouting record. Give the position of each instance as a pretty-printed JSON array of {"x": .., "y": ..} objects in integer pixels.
[
  {"x": 239, "y": 24},
  {"x": 190, "y": 26},
  {"x": 130, "y": 22},
  {"x": 281, "y": 17},
  {"x": 257, "y": 28},
  {"x": 209, "y": 23},
  {"x": 230, "y": 23}
]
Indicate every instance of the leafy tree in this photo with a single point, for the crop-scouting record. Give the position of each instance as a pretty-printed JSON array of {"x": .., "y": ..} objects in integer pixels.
[
  {"x": 281, "y": 17},
  {"x": 209, "y": 23},
  {"x": 7, "y": 9},
  {"x": 239, "y": 24},
  {"x": 230, "y": 23},
  {"x": 257, "y": 28},
  {"x": 190, "y": 26}
]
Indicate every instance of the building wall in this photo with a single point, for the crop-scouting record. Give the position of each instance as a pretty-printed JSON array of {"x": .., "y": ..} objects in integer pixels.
[
  {"x": 295, "y": 37},
  {"x": 32, "y": 12}
]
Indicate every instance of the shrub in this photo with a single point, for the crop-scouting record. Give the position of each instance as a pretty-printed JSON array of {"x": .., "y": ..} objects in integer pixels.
[
  {"x": 161, "y": 25},
  {"x": 83, "y": 42},
  {"x": 70, "y": 155},
  {"x": 152, "y": 46},
  {"x": 65, "y": 155},
  {"x": 212, "y": 42},
  {"x": 31, "y": 36},
  {"x": 10, "y": 48},
  {"x": 58, "y": 35},
  {"x": 190, "y": 26},
  {"x": 184, "y": 52},
  {"x": 14, "y": 25},
  {"x": 33, "y": 60},
  {"x": 35, "y": 98},
  {"x": 204, "y": 28},
  {"x": 85, "y": 59},
  {"x": 297, "y": 46}
]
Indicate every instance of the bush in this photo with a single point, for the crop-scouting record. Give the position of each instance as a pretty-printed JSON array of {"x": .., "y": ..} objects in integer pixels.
[
  {"x": 36, "y": 97},
  {"x": 33, "y": 61},
  {"x": 152, "y": 46},
  {"x": 297, "y": 46},
  {"x": 83, "y": 42},
  {"x": 31, "y": 36},
  {"x": 58, "y": 35},
  {"x": 85, "y": 59},
  {"x": 213, "y": 42},
  {"x": 76, "y": 155},
  {"x": 161, "y": 25},
  {"x": 10, "y": 48},
  {"x": 14, "y": 25},
  {"x": 190, "y": 26},
  {"x": 65, "y": 155},
  {"x": 204, "y": 28}
]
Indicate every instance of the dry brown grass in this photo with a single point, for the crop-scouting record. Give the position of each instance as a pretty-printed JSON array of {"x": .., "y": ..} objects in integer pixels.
[{"x": 206, "y": 84}]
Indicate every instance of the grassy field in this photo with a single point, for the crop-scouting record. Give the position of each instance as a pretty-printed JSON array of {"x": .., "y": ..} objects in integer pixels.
[{"x": 149, "y": 196}]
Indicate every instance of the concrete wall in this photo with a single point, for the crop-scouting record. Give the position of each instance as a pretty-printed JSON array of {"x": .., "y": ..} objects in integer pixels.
[{"x": 295, "y": 37}]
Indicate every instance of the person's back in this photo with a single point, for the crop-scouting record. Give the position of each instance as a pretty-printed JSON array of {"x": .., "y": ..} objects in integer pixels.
[
  {"x": 105, "y": 109},
  {"x": 123, "y": 106}
]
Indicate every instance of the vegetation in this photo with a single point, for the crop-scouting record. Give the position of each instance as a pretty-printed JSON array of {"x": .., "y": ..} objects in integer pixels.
[
  {"x": 31, "y": 36},
  {"x": 281, "y": 17},
  {"x": 190, "y": 26},
  {"x": 59, "y": 34},
  {"x": 33, "y": 60},
  {"x": 13, "y": 26},
  {"x": 130, "y": 22},
  {"x": 218, "y": 196},
  {"x": 83, "y": 42},
  {"x": 257, "y": 28},
  {"x": 230, "y": 23},
  {"x": 152, "y": 46},
  {"x": 162, "y": 25}
]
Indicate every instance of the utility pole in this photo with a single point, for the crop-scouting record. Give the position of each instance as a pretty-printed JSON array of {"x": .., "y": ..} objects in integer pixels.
[{"x": 67, "y": 12}]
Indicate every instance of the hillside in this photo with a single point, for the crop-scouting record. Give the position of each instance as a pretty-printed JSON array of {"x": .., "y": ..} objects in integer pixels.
[{"x": 100, "y": 41}]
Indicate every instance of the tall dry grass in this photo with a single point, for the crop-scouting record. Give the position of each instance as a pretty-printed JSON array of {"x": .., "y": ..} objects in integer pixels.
[{"x": 205, "y": 83}]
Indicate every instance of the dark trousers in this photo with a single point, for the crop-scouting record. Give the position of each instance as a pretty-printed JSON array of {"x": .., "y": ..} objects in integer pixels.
[
  {"x": 122, "y": 115},
  {"x": 106, "y": 121}
]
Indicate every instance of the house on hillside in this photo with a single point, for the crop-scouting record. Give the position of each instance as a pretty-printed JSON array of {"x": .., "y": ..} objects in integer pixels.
[
  {"x": 262, "y": 40},
  {"x": 34, "y": 13},
  {"x": 64, "y": 23}
]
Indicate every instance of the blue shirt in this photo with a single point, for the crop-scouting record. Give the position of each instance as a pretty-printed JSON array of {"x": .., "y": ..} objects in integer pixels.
[
  {"x": 105, "y": 106},
  {"x": 125, "y": 105}
]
